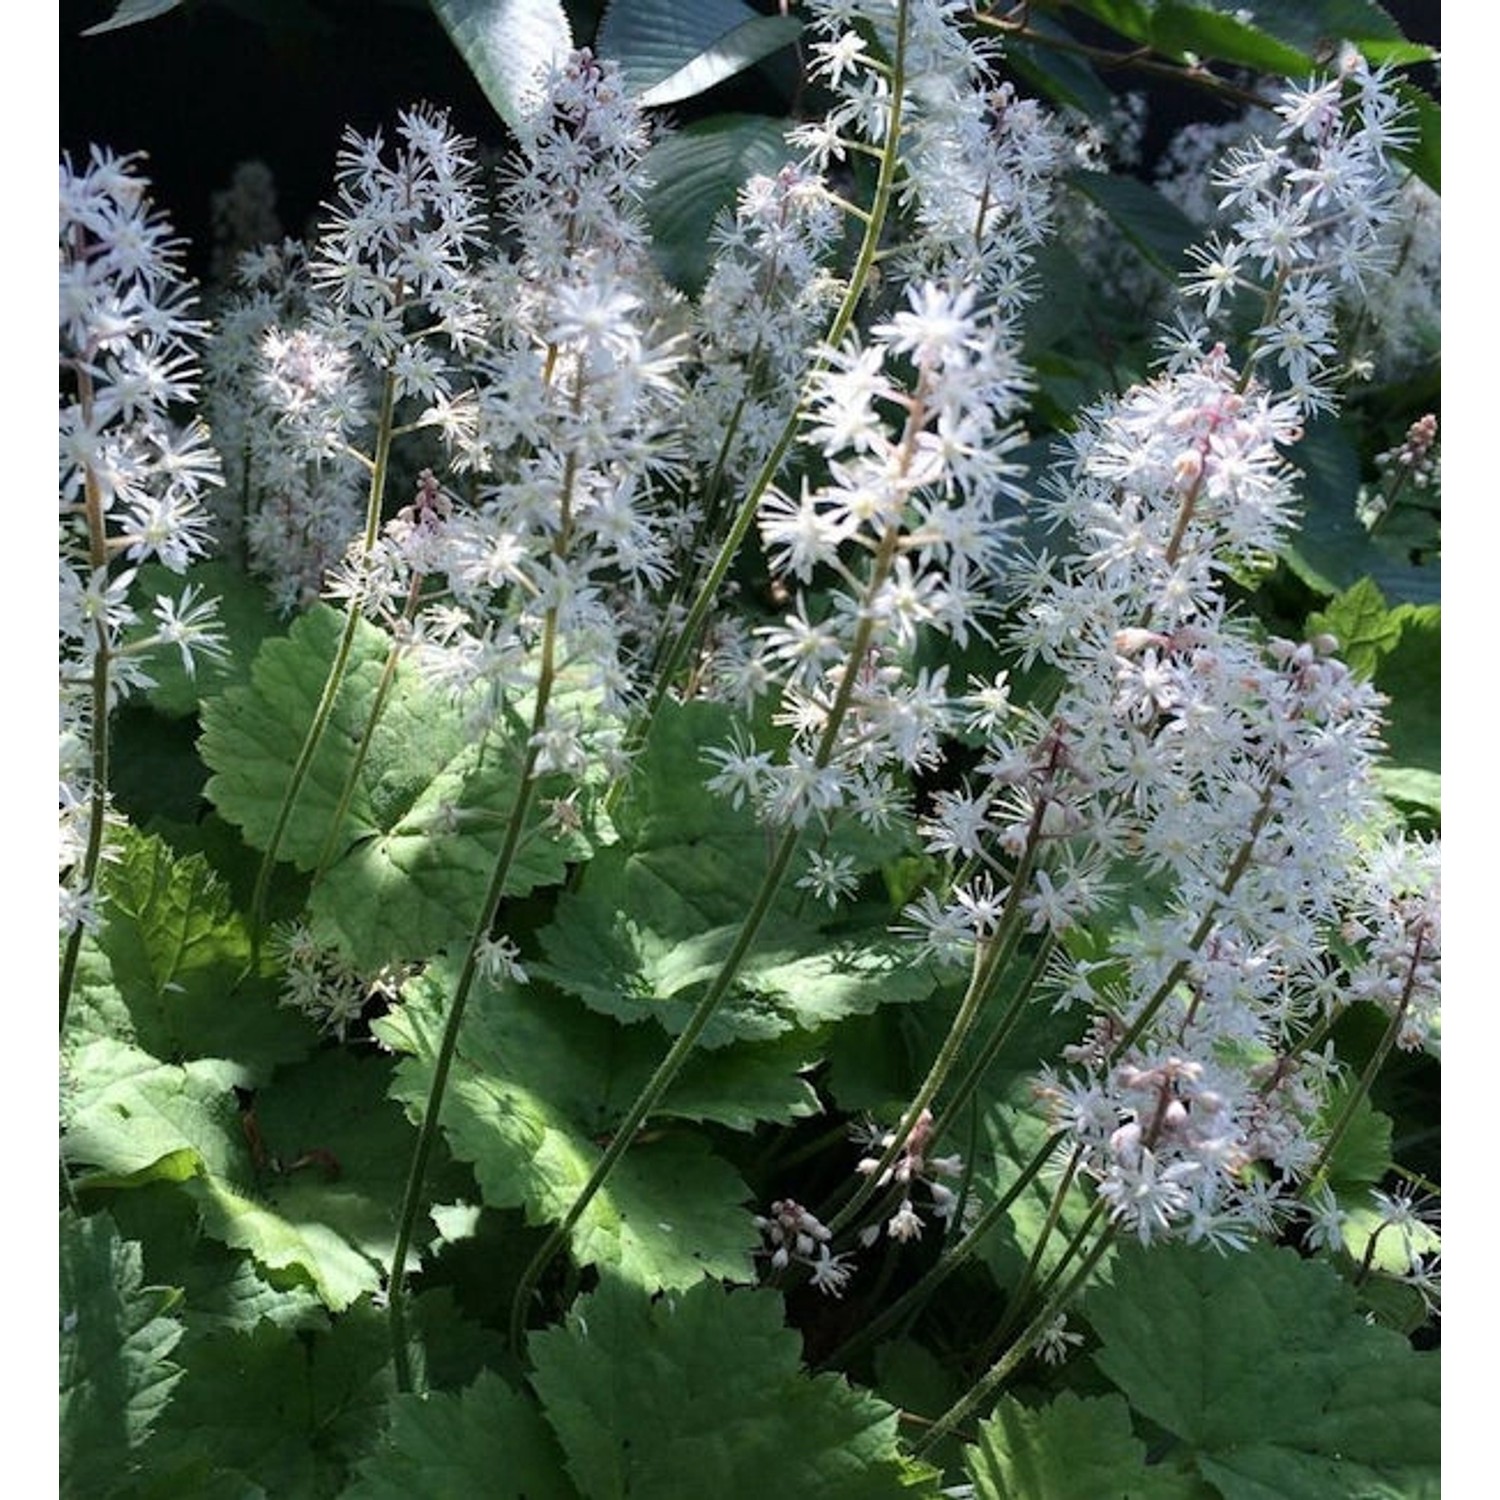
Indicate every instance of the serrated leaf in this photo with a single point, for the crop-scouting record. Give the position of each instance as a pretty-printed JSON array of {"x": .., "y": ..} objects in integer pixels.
[
  {"x": 1071, "y": 1449},
  {"x": 701, "y": 1392},
  {"x": 519, "y": 1107},
  {"x": 1313, "y": 26},
  {"x": 327, "y": 1205},
  {"x": 669, "y": 52},
  {"x": 487, "y": 1440},
  {"x": 288, "y": 1413},
  {"x": 177, "y": 957},
  {"x": 1362, "y": 623},
  {"x": 509, "y": 45},
  {"x": 413, "y": 858},
  {"x": 1260, "y": 1363},
  {"x": 115, "y": 1378},
  {"x": 695, "y": 175}
]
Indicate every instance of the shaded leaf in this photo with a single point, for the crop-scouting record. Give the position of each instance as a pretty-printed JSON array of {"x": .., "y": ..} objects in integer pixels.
[
  {"x": 701, "y": 1392},
  {"x": 130, "y": 13},
  {"x": 276, "y": 1412},
  {"x": 695, "y": 175},
  {"x": 1152, "y": 223},
  {"x": 487, "y": 1440},
  {"x": 1072, "y": 1449},
  {"x": 1261, "y": 1364},
  {"x": 115, "y": 1378}
]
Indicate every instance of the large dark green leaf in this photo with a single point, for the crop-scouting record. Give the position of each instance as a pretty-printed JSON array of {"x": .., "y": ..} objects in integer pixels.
[
  {"x": 508, "y": 45},
  {"x": 701, "y": 1392},
  {"x": 695, "y": 175},
  {"x": 1262, "y": 1365},
  {"x": 521, "y": 1106},
  {"x": 487, "y": 1440},
  {"x": 669, "y": 51}
]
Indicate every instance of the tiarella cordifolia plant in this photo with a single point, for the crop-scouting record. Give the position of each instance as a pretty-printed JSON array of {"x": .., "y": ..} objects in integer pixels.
[
  {"x": 685, "y": 713},
  {"x": 131, "y": 487}
]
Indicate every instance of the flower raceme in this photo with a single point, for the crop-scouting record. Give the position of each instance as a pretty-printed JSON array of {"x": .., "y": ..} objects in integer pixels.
[{"x": 131, "y": 480}]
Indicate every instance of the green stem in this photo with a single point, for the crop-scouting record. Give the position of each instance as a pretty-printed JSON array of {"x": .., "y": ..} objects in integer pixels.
[
  {"x": 416, "y": 1177},
  {"x": 98, "y": 709},
  {"x": 366, "y": 739},
  {"x": 1371, "y": 1068},
  {"x": 990, "y": 958},
  {"x": 336, "y": 672},
  {"x": 985, "y": 1388},
  {"x": 948, "y": 1263}
]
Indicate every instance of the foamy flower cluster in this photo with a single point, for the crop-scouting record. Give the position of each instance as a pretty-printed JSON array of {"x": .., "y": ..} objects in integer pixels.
[
  {"x": 1224, "y": 780},
  {"x": 569, "y": 428},
  {"x": 131, "y": 478},
  {"x": 914, "y": 1167},
  {"x": 903, "y": 536},
  {"x": 796, "y": 1236},
  {"x": 1312, "y": 223},
  {"x": 978, "y": 161}
]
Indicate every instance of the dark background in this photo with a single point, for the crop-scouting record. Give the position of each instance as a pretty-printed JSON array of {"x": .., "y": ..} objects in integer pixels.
[{"x": 218, "y": 82}]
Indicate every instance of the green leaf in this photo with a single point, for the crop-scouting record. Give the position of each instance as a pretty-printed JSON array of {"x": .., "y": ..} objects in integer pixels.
[
  {"x": 521, "y": 1104},
  {"x": 487, "y": 1440},
  {"x": 275, "y": 1412},
  {"x": 1072, "y": 1449},
  {"x": 1332, "y": 551},
  {"x": 1362, "y": 623},
  {"x": 1260, "y": 1363},
  {"x": 1363, "y": 1154},
  {"x": 115, "y": 1378},
  {"x": 326, "y": 1206},
  {"x": 1410, "y": 675},
  {"x": 245, "y": 614},
  {"x": 508, "y": 45},
  {"x": 1153, "y": 224},
  {"x": 178, "y": 959},
  {"x": 701, "y": 1392},
  {"x": 695, "y": 175},
  {"x": 653, "y": 917},
  {"x": 415, "y": 854},
  {"x": 670, "y": 52},
  {"x": 1314, "y": 26},
  {"x": 1217, "y": 36},
  {"x": 133, "y": 1120},
  {"x": 130, "y": 13}
]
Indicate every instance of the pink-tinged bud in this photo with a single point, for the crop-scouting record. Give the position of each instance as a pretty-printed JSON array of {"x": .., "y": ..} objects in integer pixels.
[
  {"x": 1325, "y": 645},
  {"x": 1187, "y": 468},
  {"x": 1130, "y": 641},
  {"x": 1174, "y": 1116}
]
